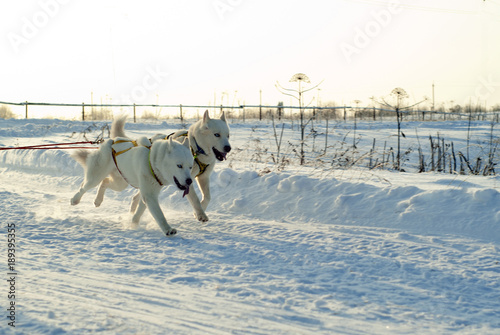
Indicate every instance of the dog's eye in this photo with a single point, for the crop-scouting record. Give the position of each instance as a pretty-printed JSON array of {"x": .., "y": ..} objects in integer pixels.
[
  {"x": 179, "y": 166},
  {"x": 217, "y": 135}
]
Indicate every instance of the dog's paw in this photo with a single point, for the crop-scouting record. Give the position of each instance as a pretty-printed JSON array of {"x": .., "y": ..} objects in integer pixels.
[
  {"x": 135, "y": 220},
  {"x": 201, "y": 217},
  {"x": 171, "y": 232},
  {"x": 98, "y": 202}
]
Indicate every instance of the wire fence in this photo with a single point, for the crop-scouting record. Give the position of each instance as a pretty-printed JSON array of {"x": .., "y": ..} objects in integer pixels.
[
  {"x": 442, "y": 157},
  {"x": 106, "y": 111}
]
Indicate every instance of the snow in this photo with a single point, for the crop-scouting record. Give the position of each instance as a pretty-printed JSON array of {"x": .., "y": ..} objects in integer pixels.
[{"x": 299, "y": 250}]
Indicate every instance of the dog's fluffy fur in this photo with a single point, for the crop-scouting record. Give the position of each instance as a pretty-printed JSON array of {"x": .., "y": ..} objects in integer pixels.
[
  {"x": 209, "y": 140},
  {"x": 170, "y": 161}
]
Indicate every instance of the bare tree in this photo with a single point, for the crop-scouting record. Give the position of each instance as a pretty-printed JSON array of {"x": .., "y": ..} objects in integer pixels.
[
  {"x": 297, "y": 94},
  {"x": 400, "y": 96}
]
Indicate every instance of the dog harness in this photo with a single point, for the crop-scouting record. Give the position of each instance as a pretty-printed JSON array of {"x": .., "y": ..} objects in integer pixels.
[
  {"x": 199, "y": 151},
  {"x": 134, "y": 144}
]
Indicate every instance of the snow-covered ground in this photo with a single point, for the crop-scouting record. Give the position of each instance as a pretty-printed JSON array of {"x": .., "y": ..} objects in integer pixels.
[{"x": 288, "y": 250}]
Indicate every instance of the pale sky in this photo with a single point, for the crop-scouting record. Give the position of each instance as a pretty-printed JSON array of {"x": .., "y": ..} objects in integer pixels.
[{"x": 190, "y": 52}]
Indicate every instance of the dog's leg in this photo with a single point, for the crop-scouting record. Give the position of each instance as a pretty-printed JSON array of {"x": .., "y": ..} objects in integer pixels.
[
  {"x": 135, "y": 202},
  {"x": 199, "y": 213},
  {"x": 97, "y": 166},
  {"x": 151, "y": 200},
  {"x": 92, "y": 178},
  {"x": 89, "y": 183},
  {"x": 204, "y": 184},
  {"x": 138, "y": 211},
  {"x": 100, "y": 192},
  {"x": 78, "y": 196}
]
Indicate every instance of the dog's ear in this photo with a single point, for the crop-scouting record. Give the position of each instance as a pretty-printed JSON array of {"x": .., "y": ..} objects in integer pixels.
[
  {"x": 185, "y": 142},
  {"x": 206, "y": 117},
  {"x": 223, "y": 116}
]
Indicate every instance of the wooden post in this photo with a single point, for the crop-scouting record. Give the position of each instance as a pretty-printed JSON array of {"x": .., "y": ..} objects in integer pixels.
[
  {"x": 260, "y": 106},
  {"x": 134, "y": 114},
  {"x": 182, "y": 118},
  {"x": 26, "y": 110},
  {"x": 326, "y": 131},
  {"x": 83, "y": 111}
]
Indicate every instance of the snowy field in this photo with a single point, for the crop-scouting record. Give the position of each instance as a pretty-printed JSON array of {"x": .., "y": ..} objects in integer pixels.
[{"x": 316, "y": 249}]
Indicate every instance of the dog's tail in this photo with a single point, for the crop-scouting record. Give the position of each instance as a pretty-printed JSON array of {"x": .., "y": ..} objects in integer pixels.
[
  {"x": 118, "y": 127},
  {"x": 81, "y": 156}
]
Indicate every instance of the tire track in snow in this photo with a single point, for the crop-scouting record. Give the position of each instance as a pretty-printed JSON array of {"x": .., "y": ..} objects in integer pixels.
[{"x": 82, "y": 271}]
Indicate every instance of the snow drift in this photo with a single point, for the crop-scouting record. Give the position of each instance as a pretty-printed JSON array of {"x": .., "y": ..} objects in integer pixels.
[{"x": 349, "y": 251}]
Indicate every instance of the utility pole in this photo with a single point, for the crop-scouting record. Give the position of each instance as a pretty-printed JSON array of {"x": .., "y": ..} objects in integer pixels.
[
  {"x": 433, "y": 96},
  {"x": 317, "y": 105},
  {"x": 92, "y": 102}
]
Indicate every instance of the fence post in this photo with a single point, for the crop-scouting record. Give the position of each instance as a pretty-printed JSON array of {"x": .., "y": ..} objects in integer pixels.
[
  {"x": 260, "y": 106},
  {"x": 182, "y": 119},
  {"x": 134, "y": 114},
  {"x": 83, "y": 111},
  {"x": 26, "y": 110}
]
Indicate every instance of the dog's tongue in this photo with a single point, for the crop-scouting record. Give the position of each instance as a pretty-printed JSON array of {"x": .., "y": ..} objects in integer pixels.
[{"x": 186, "y": 191}]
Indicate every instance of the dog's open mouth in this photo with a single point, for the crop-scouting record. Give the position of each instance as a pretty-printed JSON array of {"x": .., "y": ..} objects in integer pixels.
[
  {"x": 219, "y": 155},
  {"x": 181, "y": 187}
]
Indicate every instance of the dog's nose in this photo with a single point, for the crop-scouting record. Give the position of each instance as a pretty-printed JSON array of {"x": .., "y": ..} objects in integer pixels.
[
  {"x": 227, "y": 148},
  {"x": 189, "y": 181}
]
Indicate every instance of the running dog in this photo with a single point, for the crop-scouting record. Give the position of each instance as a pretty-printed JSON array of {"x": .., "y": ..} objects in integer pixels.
[
  {"x": 147, "y": 166},
  {"x": 209, "y": 143}
]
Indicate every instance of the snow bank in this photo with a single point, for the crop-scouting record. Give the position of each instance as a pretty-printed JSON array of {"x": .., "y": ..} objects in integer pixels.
[
  {"x": 453, "y": 205},
  {"x": 41, "y": 127},
  {"x": 298, "y": 198},
  {"x": 52, "y": 162}
]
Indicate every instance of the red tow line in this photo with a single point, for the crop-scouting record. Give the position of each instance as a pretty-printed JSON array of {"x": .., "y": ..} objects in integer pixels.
[{"x": 63, "y": 146}]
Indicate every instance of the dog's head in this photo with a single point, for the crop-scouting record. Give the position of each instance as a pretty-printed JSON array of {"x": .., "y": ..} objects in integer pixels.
[
  {"x": 175, "y": 162},
  {"x": 213, "y": 135}
]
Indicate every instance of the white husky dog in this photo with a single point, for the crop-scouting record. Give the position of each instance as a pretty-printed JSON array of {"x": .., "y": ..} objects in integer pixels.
[
  {"x": 209, "y": 142},
  {"x": 142, "y": 164}
]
